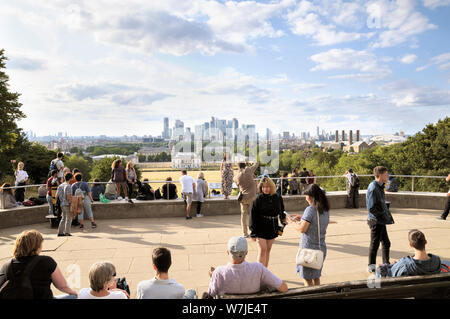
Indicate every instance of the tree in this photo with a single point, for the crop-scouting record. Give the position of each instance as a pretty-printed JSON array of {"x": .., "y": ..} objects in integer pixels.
[
  {"x": 9, "y": 110},
  {"x": 102, "y": 169},
  {"x": 76, "y": 161}
]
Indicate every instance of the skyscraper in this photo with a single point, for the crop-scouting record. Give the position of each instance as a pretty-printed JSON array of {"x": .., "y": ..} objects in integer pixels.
[{"x": 165, "y": 133}]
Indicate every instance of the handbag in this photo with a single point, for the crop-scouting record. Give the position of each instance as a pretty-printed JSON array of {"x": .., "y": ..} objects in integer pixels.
[{"x": 310, "y": 258}]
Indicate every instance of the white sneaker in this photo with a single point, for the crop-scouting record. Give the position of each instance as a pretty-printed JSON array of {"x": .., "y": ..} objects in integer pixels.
[
  {"x": 119, "y": 198},
  {"x": 199, "y": 215}
]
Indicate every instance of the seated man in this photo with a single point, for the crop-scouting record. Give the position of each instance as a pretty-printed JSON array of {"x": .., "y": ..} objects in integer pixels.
[
  {"x": 161, "y": 287},
  {"x": 419, "y": 264},
  {"x": 241, "y": 277}
]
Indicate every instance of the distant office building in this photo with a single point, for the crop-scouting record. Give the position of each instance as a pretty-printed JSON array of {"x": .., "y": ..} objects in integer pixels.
[
  {"x": 336, "y": 136},
  {"x": 286, "y": 135},
  {"x": 166, "y": 133}
]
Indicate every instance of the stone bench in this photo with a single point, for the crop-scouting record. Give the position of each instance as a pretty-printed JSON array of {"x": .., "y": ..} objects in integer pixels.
[{"x": 430, "y": 286}]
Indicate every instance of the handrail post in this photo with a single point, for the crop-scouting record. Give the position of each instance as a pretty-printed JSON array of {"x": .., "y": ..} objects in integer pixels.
[
  {"x": 2, "y": 199},
  {"x": 413, "y": 183},
  {"x": 281, "y": 182}
]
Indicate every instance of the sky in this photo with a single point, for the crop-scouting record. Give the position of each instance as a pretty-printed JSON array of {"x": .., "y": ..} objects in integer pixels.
[{"x": 119, "y": 67}]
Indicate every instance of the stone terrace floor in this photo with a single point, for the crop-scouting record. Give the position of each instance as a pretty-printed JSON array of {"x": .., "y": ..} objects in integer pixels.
[{"x": 200, "y": 243}]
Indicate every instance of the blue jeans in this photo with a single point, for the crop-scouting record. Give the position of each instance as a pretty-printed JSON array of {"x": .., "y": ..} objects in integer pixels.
[
  {"x": 86, "y": 208},
  {"x": 50, "y": 204}
]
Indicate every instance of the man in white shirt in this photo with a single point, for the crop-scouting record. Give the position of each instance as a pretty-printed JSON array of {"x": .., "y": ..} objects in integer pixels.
[
  {"x": 187, "y": 191},
  {"x": 161, "y": 287},
  {"x": 240, "y": 276}
]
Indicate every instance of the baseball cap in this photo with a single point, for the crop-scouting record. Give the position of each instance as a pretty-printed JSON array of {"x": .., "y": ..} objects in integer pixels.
[{"x": 237, "y": 246}]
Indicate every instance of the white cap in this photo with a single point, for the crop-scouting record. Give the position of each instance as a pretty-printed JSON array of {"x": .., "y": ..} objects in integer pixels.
[{"x": 237, "y": 246}]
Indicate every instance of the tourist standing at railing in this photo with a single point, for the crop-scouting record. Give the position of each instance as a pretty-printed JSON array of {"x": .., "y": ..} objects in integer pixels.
[
  {"x": 303, "y": 183},
  {"x": 294, "y": 183},
  {"x": 226, "y": 171},
  {"x": 58, "y": 164},
  {"x": 267, "y": 209},
  {"x": 75, "y": 171},
  {"x": 8, "y": 197},
  {"x": 378, "y": 217},
  {"x": 315, "y": 218},
  {"x": 283, "y": 184},
  {"x": 247, "y": 188},
  {"x": 21, "y": 179},
  {"x": 64, "y": 193},
  {"x": 447, "y": 205},
  {"x": 311, "y": 178},
  {"x": 86, "y": 207},
  {"x": 201, "y": 191},
  {"x": 118, "y": 176},
  {"x": 187, "y": 191},
  {"x": 352, "y": 186},
  {"x": 52, "y": 186},
  {"x": 131, "y": 179}
]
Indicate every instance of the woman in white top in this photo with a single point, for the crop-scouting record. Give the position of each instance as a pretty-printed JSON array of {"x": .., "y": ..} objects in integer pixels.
[
  {"x": 103, "y": 283},
  {"x": 21, "y": 179}
]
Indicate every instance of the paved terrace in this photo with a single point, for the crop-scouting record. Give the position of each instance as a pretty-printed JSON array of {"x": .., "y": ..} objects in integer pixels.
[{"x": 201, "y": 242}]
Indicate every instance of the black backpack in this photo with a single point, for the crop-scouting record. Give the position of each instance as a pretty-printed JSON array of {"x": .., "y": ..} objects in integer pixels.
[{"x": 18, "y": 286}]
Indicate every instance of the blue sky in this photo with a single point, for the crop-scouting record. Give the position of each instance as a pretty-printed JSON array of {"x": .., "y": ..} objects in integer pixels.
[{"x": 115, "y": 67}]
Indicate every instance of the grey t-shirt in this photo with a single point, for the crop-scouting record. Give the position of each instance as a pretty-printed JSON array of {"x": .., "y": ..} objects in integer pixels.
[
  {"x": 160, "y": 289},
  {"x": 62, "y": 192}
]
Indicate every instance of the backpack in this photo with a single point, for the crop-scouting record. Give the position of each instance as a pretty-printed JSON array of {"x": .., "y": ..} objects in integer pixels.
[
  {"x": 53, "y": 165},
  {"x": 79, "y": 192},
  {"x": 18, "y": 286},
  {"x": 28, "y": 203},
  {"x": 354, "y": 180}
]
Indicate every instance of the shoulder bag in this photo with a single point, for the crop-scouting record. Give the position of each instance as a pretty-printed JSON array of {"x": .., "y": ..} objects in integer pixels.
[{"x": 310, "y": 258}]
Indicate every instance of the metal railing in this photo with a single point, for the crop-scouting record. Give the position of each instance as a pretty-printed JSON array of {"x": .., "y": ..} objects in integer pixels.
[{"x": 413, "y": 177}]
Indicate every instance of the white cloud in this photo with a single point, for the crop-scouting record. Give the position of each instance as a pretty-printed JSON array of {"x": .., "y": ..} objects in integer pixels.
[
  {"x": 174, "y": 27},
  {"x": 348, "y": 59},
  {"x": 299, "y": 87},
  {"x": 407, "y": 93},
  {"x": 440, "y": 60},
  {"x": 399, "y": 21},
  {"x": 408, "y": 58},
  {"x": 433, "y": 4},
  {"x": 307, "y": 20}
]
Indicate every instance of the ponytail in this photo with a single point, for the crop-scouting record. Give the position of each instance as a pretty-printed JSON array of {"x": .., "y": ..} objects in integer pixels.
[{"x": 320, "y": 200}]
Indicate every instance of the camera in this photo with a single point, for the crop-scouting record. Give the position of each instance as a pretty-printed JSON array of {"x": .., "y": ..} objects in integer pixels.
[{"x": 122, "y": 284}]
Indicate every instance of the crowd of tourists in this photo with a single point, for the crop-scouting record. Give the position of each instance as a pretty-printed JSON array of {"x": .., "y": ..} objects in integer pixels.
[{"x": 263, "y": 219}]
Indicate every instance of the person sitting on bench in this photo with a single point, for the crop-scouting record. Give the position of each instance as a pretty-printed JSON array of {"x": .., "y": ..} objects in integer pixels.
[
  {"x": 240, "y": 276},
  {"x": 145, "y": 192},
  {"x": 419, "y": 264}
]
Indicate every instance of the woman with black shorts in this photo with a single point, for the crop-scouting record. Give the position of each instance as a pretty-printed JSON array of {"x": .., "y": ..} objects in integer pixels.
[{"x": 267, "y": 208}]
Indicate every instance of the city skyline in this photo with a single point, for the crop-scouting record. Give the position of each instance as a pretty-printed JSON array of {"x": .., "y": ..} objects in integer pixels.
[{"x": 113, "y": 68}]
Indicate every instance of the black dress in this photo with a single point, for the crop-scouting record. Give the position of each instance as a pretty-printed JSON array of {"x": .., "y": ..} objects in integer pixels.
[{"x": 266, "y": 211}]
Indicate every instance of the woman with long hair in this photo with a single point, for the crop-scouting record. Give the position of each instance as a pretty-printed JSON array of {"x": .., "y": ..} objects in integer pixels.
[
  {"x": 131, "y": 179},
  {"x": 226, "y": 170},
  {"x": 315, "y": 215},
  {"x": 8, "y": 197},
  {"x": 118, "y": 176},
  {"x": 201, "y": 190},
  {"x": 267, "y": 209}
]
